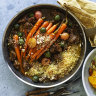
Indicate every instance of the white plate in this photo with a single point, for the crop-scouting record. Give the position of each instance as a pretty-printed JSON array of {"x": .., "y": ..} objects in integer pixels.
[{"x": 90, "y": 91}]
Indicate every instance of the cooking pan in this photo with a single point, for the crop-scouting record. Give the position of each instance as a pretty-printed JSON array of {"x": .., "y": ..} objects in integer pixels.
[{"x": 26, "y": 79}]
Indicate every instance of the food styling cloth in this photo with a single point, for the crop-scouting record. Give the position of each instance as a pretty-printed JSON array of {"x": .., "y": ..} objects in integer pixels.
[{"x": 85, "y": 11}]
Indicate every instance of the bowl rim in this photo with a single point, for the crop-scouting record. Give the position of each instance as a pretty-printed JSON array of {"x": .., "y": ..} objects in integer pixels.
[
  {"x": 85, "y": 62},
  {"x": 53, "y": 85}
]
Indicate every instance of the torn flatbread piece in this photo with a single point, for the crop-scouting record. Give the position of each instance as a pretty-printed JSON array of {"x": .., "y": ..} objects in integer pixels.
[{"x": 84, "y": 10}]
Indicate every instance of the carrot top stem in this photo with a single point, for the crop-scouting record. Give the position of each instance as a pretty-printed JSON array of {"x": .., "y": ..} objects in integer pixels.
[
  {"x": 58, "y": 27},
  {"x": 66, "y": 20}
]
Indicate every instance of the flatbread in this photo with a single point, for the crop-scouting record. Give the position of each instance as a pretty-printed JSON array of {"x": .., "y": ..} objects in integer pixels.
[{"x": 85, "y": 11}]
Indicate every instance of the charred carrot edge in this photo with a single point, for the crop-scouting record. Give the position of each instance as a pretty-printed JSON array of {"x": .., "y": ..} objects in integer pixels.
[
  {"x": 61, "y": 29},
  {"x": 49, "y": 26},
  {"x": 15, "y": 37},
  {"x": 45, "y": 24},
  {"x": 19, "y": 57},
  {"x": 33, "y": 30}
]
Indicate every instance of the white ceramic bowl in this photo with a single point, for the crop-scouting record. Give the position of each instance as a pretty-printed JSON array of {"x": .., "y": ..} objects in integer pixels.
[{"x": 90, "y": 91}]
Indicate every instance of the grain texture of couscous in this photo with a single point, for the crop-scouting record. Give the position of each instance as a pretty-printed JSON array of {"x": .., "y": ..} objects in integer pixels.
[{"x": 62, "y": 68}]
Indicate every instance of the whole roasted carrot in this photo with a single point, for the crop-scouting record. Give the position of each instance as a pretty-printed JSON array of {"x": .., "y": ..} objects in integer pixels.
[
  {"x": 61, "y": 29},
  {"x": 52, "y": 29},
  {"x": 33, "y": 30},
  {"x": 15, "y": 38},
  {"x": 49, "y": 26}
]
